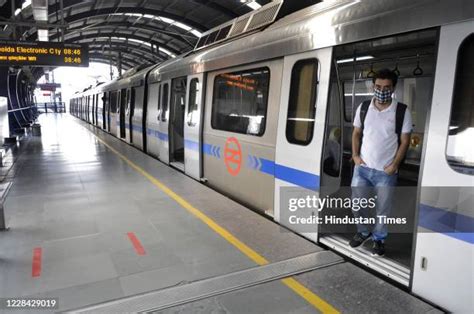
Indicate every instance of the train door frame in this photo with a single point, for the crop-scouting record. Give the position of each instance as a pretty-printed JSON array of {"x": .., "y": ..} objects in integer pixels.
[
  {"x": 89, "y": 105},
  {"x": 85, "y": 109},
  {"x": 443, "y": 255},
  {"x": 90, "y": 116},
  {"x": 105, "y": 110},
  {"x": 164, "y": 121},
  {"x": 388, "y": 266},
  {"x": 193, "y": 127},
  {"x": 176, "y": 123},
  {"x": 92, "y": 109},
  {"x": 297, "y": 161},
  {"x": 97, "y": 109},
  {"x": 129, "y": 110},
  {"x": 122, "y": 102},
  {"x": 114, "y": 122}
]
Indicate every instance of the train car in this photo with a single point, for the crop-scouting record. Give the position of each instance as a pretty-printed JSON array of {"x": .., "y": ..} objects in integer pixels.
[{"x": 266, "y": 104}]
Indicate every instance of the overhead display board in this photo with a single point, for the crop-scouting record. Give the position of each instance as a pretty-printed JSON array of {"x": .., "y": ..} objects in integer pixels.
[
  {"x": 40, "y": 53},
  {"x": 49, "y": 86}
]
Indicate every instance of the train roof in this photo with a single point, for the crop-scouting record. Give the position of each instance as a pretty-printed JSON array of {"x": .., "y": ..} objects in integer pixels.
[
  {"x": 136, "y": 79},
  {"x": 325, "y": 24}
]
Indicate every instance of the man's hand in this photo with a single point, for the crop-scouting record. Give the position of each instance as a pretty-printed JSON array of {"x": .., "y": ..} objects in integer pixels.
[
  {"x": 391, "y": 169},
  {"x": 358, "y": 161}
]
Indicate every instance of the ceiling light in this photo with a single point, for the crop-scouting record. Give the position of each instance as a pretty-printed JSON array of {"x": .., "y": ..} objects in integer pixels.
[
  {"x": 254, "y": 5},
  {"x": 357, "y": 59},
  {"x": 196, "y": 33},
  {"x": 165, "y": 20},
  {"x": 169, "y": 53},
  {"x": 25, "y": 4}
]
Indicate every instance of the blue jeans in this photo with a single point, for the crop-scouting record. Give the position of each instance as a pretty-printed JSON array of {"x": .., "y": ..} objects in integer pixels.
[{"x": 363, "y": 181}]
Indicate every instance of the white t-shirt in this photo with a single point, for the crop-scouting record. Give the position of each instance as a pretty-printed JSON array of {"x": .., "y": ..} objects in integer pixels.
[{"x": 379, "y": 140}]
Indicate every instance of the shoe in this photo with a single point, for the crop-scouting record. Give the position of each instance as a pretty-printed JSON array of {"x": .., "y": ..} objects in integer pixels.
[
  {"x": 358, "y": 239},
  {"x": 378, "y": 248}
]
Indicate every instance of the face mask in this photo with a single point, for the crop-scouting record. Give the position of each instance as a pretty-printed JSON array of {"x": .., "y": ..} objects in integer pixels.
[{"x": 383, "y": 96}]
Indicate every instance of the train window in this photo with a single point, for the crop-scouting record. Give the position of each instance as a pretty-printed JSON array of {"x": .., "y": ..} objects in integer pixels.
[
  {"x": 302, "y": 103},
  {"x": 459, "y": 152},
  {"x": 193, "y": 105},
  {"x": 113, "y": 102},
  {"x": 240, "y": 101},
  {"x": 159, "y": 101},
  {"x": 105, "y": 101},
  {"x": 133, "y": 96},
  {"x": 164, "y": 102}
]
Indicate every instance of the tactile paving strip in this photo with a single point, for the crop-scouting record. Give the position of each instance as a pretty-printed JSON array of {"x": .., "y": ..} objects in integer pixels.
[{"x": 202, "y": 289}]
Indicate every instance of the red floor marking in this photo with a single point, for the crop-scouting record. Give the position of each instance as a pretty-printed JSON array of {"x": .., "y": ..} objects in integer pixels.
[
  {"x": 36, "y": 266},
  {"x": 136, "y": 243}
]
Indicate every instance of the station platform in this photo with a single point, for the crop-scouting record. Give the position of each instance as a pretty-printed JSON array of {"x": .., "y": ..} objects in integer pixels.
[{"x": 102, "y": 227}]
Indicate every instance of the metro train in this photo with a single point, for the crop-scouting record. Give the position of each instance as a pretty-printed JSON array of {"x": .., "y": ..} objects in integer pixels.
[{"x": 261, "y": 103}]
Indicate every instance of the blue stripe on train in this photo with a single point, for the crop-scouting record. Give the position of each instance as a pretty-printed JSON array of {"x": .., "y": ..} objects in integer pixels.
[
  {"x": 211, "y": 150},
  {"x": 449, "y": 223},
  {"x": 192, "y": 145},
  {"x": 160, "y": 135},
  {"x": 288, "y": 174},
  {"x": 155, "y": 133},
  {"x": 297, "y": 177}
]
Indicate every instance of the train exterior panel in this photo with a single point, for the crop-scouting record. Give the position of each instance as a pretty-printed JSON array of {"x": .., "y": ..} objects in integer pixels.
[
  {"x": 240, "y": 128},
  {"x": 138, "y": 114},
  {"x": 193, "y": 137},
  {"x": 152, "y": 119},
  {"x": 113, "y": 115},
  {"x": 163, "y": 125}
]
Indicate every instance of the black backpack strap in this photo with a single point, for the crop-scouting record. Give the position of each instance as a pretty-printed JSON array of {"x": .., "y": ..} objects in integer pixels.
[
  {"x": 364, "y": 107},
  {"x": 400, "y": 116}
]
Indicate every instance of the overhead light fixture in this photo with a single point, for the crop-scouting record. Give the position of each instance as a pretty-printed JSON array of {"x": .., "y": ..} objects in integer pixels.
[
  {"x": 163, "y": 19},
  {"x": 43, "y": 35},
  {"x": 357, "y": 59},
  {"x": 254, "y": 5},
  {"x": 25, "y": 4},
  {"x": 196, "y": 33},
  {"x": 164, "y": 50}
]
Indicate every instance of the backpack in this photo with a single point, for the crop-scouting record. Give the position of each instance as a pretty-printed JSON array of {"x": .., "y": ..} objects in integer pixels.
[{"x": 399, "y": 117}]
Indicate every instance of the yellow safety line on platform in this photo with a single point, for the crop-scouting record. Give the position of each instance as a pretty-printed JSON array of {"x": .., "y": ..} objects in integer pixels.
[{"x": 293, "y": 284}]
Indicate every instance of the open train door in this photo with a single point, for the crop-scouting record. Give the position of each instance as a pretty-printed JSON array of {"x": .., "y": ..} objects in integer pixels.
[
  {"x": 300, "y": 137},
  {"x": 163, "y": 123},
  {"x": 192, "y": 126}
]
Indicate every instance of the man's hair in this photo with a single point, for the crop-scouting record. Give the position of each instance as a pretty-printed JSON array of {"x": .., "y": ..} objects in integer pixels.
[{"x": 386, "y": 74}]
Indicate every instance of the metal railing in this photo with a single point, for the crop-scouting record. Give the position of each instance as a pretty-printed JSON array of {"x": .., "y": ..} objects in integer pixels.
[{"x": 53, "y": 107}]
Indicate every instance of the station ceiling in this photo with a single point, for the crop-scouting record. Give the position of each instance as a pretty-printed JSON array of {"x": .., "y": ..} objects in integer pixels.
[{"x": 143, "y": 31}]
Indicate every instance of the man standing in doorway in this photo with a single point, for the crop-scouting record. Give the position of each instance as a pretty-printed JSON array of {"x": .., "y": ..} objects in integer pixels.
[{"x": 380, "y": 140}]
